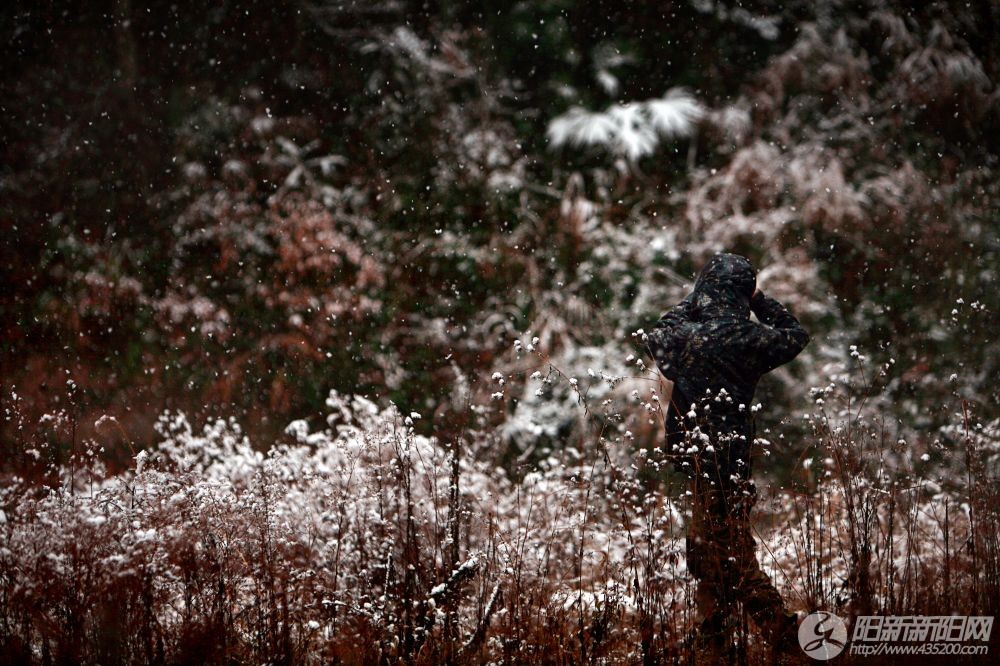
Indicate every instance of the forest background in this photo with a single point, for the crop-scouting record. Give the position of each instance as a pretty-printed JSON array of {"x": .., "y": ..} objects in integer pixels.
[{"x": 229, "y": 211}]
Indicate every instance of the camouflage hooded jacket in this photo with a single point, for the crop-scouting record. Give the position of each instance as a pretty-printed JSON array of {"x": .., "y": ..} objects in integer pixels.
[{"x": 715, "y": 355}]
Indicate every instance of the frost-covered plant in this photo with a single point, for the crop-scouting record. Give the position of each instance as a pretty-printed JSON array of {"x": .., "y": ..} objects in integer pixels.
[
  {"x": 361, "y": 538},
  {"x": 633, "y": 129}
]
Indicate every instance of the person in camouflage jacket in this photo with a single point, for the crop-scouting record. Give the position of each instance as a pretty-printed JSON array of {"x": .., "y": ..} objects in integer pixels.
[{"x": 715, "y": 354}]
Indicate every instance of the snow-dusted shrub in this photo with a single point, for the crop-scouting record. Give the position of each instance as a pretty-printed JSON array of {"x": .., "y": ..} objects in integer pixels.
[
  {"x": 359, "y": 539},
  {"x": 633, "y": 129}
]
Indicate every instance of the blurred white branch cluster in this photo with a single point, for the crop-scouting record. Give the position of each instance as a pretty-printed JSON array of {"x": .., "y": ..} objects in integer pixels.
[{"x": 632, "y": 129}]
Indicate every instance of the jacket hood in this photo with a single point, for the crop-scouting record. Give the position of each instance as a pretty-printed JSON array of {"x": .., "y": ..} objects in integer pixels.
[{"x": 724, "y": 287}]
